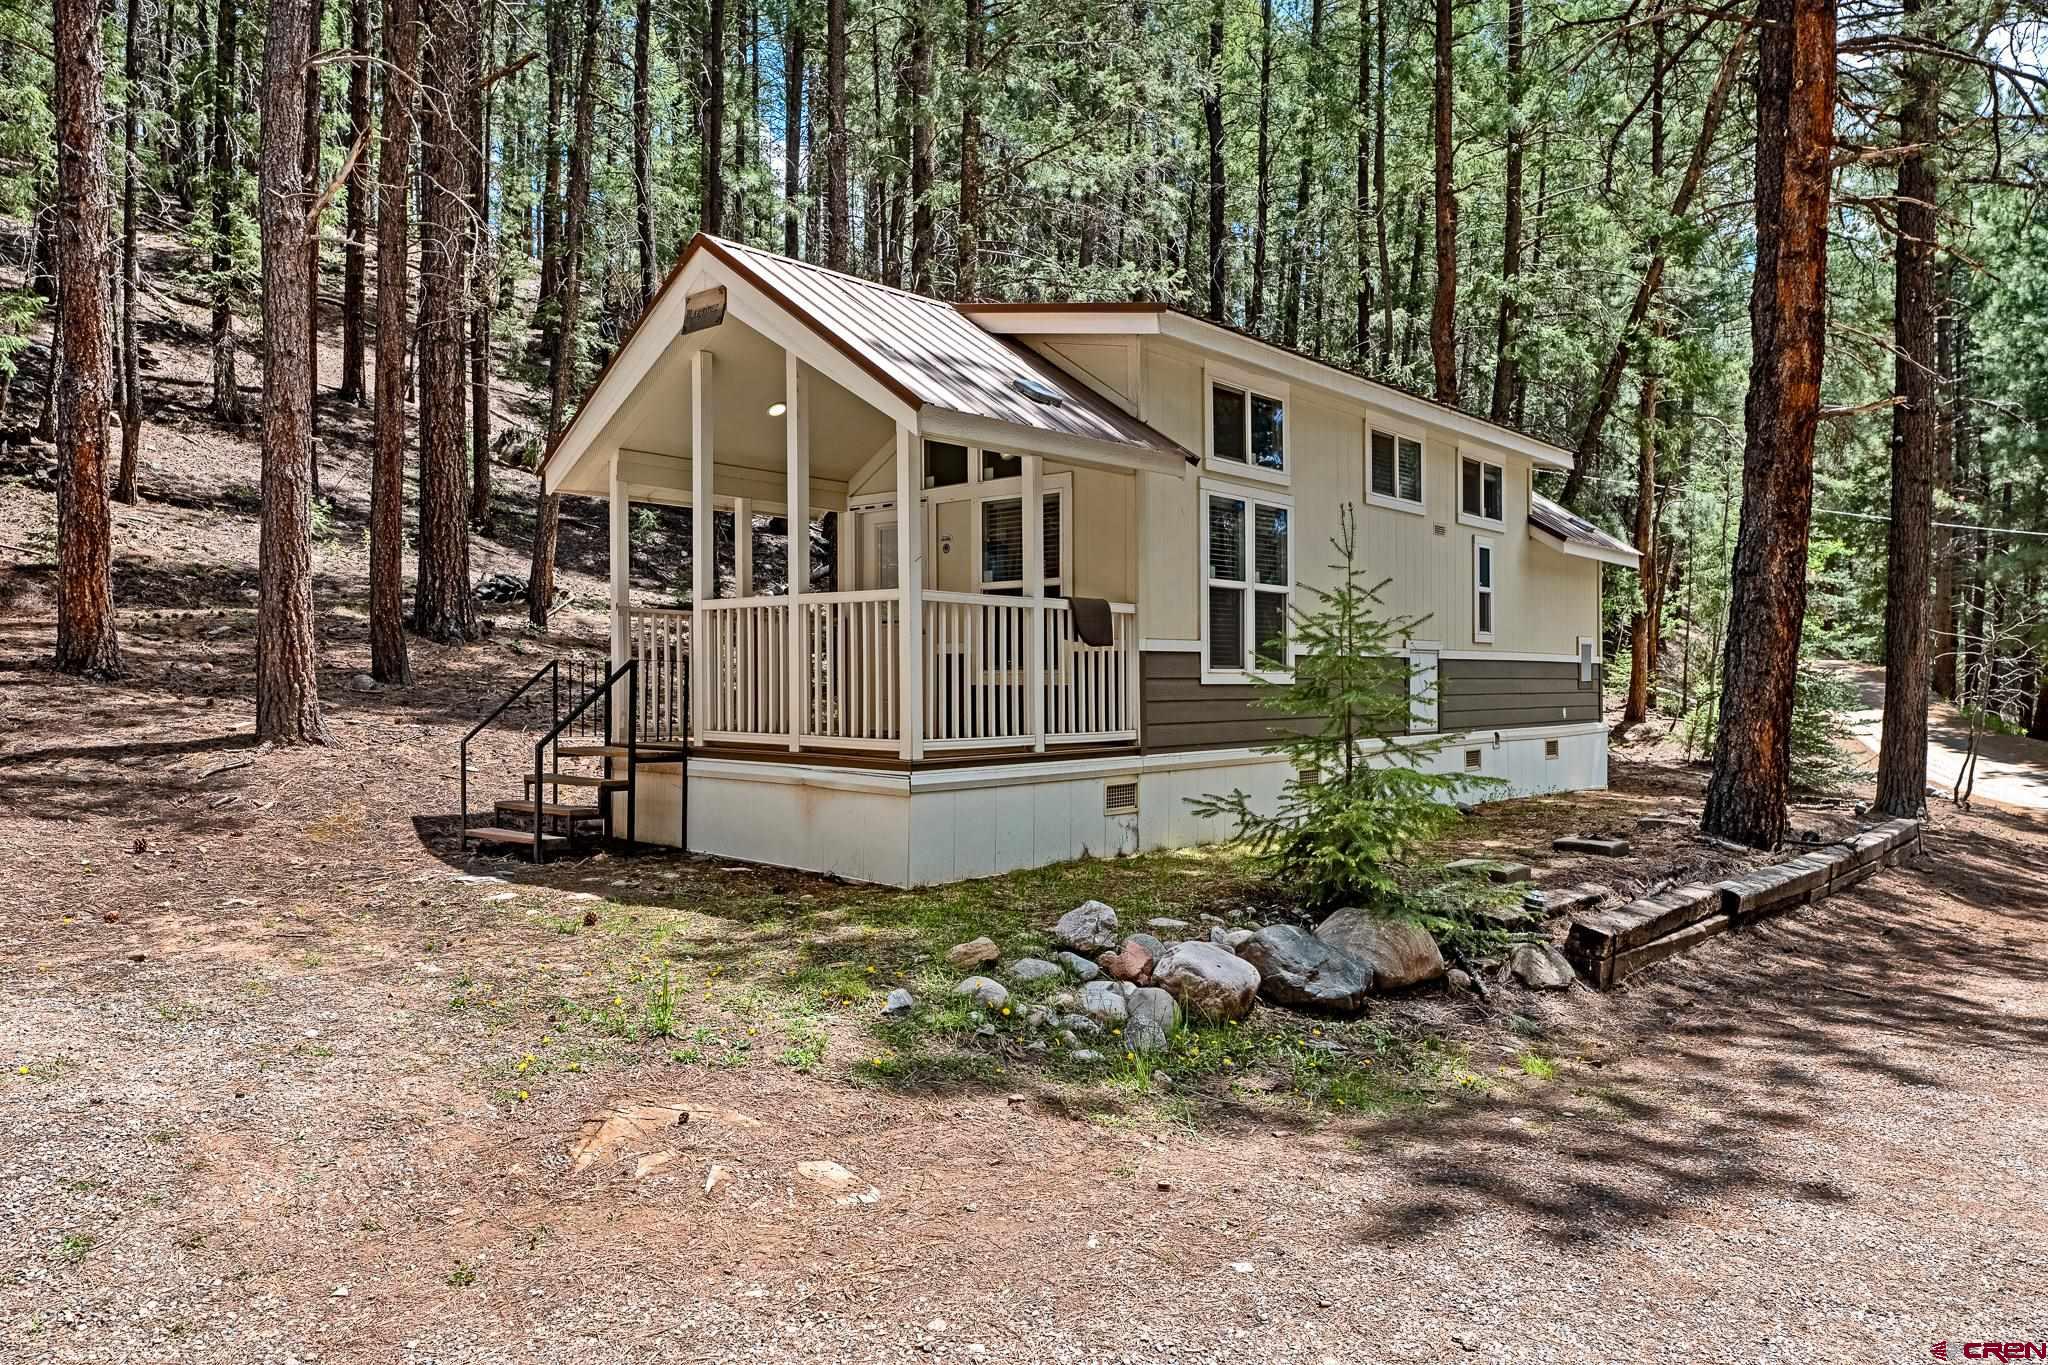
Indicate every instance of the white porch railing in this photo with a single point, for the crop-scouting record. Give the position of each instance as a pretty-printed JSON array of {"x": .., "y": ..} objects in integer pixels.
[{"x": 976, "y": 666}]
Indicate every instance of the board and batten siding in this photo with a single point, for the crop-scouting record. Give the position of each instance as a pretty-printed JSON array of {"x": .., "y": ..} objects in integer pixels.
[{"x": 1506, "y": 694}]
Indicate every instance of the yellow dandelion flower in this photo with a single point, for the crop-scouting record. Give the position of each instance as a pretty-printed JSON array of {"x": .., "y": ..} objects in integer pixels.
[
  {"x": 1006, "y": 1010},
  {"x": 522, "y": 1094}
]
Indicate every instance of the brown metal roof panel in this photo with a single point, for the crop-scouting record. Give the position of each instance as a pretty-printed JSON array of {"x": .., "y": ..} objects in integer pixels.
[{"x": 1566, "y": 524}]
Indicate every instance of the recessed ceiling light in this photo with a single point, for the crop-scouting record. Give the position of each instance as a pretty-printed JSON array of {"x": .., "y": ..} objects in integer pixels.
[{"x": 777, "y": 409}]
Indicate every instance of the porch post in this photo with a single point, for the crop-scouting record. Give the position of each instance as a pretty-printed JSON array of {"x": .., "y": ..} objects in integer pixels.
[
  {"x": 796, "y": 420},
  {"x": 910, "y": 586},
  {"x": 703, "y": 540},
  {"x": 620, "y": 564},
  {"x": 1034, "y": 591},
  {"x": 742, "y": 547}
]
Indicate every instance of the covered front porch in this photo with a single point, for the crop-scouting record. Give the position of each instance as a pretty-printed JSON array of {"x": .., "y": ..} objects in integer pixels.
[{"x": 925, "y": 637}]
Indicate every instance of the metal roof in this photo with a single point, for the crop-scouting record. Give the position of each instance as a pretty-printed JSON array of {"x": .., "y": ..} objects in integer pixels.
[
  {"x": 930, "y": 355},
  {"x": 1562, "y": 524}
]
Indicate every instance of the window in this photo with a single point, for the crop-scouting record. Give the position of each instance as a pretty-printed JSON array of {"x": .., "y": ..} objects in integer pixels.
[
  {"x": 945, "y": 464},
  {"x": 1480, "y": 492},
  {"x": 1482, "y": 590},
  {"x": 1395, "y": 479},
  {"x": 996, "y": 465},
  {"x": 1247, "y": 428},
  {"x": 885, "y": 554},
  {"x": 1002, "y": 545},
  {"x": 1248, "y": 569}
]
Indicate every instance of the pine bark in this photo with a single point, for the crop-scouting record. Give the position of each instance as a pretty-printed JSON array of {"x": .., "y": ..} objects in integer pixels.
[
  {"x": 309, "y": 173},
  {"x": 643, "y": 166},
  {"x": 838, "y": 206},
  {"x": 1943, "y": 626},
  {"x": 711, "y": 88},
  {"x": 1511, "y": 226},
  {"x": 227, "y": 397},
  {"x": 131, "y": 262},
  {"x": 540, "y": 594},
  {"x": 1443, "y": 345},
  {"x": 356, "y": 213},
  {"x": 389, "y": 662},
  {"x": 923, "y": 221},
  {"x": 1297, "y": 233},
  {"x": 1255, "y": 301},
  {"x": 967, "y": 272},
  {"x": 443, "y": 607},
  {"x": 1788, "y": 334},
  {"x": 1902, "y": 751},
  {"x": 287, "y": 648},
  {"x": 483, "y": 278},
  {"x": 1642, "y": 630},
  {"x": 1212, "y": 120},
  {"x": 88, "y": 642}
]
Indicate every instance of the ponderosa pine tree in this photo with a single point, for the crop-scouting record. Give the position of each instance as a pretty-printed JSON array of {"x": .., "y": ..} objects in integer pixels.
[
  {"x": 389, "y": 657},
  {"x": 356, "y": 211},
  {"x": 224, "y": 174}
]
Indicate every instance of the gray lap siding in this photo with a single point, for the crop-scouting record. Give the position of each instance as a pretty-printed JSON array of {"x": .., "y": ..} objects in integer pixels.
[{"x": 1178, "y": 713}]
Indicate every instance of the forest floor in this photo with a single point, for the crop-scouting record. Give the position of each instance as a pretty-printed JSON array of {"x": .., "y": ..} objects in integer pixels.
[{"x": 287, "y": 1077}]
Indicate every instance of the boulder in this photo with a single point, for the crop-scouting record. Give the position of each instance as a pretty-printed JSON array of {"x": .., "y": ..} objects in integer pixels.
[
  {"x": 1540, "y": 967},
  {"x": 1089, "y": 928},
  {"x": 1133, "y": 962},
  {"x": 898, "y": 1005},
  {"x": 1209, "y": 982},
  {"x": 976, "y": 952},
  {"x": 1028, "y": 969},
  {"x": 1078, "y": 967},
  {"x": 1104, "y": 1003},
  {"x": 1400, "y": 953},
  {"x": 1153, "y": 1019},
  {"x": 1149, "y": 942},
  {"x": 1459, "y": 981},
  {"x": 1297, "y": 968},
  {"x": 990, "y": 995}
]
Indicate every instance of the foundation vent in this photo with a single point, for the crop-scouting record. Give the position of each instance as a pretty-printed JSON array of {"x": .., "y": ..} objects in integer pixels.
[
  {"x": 1120, "y": 798},
  {"x": 1474, "y": 760},
  {"x": 1551, "y": 748}
]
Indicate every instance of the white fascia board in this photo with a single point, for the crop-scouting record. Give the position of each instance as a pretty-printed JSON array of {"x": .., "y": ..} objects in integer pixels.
[
  {"x": 1247, "y": 351},
  {"x": 1627, "y": 559},
  {"x": 944, "y": 424}
]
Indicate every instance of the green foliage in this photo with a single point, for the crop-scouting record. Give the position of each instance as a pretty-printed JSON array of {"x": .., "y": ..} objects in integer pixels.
[
  {"x": 1820, "y": 700},
  {"x": 1358, "y": 806}
]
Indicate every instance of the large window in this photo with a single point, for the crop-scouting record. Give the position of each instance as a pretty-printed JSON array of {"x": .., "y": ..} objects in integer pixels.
[
  {"x": 1394, "y": 476},
  {"x": 1002, "y": 545},
  {"x": 1482, "y": 590},
  {"x": 1247, "y": 572},
  {"x": 1247, "y": 428},
  {"x": 1481, "y": 489}
]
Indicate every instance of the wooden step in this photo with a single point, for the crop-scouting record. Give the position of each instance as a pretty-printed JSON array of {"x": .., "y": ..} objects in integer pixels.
[
  {"x": 551, "y": 809},
  {"x": 495, "y": 834},
  {"x": 663, "y": 752},
  {"x": 580, "y": 780}
]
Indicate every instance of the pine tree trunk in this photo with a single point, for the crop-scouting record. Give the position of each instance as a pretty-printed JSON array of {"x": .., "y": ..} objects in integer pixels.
[
  {"x": 227, "y": 398},
  {"x": 967, "y": 273},
  {"x": 1297, "y": 236},
  {"x": 88, "y": 642},
  {"x": 1255, "y": 302},
  {"x": 1443, "y": 313},
  {"x": 923, "y": 224},
  {"x": 483, "y": 279},
  {"x": 131, "y": 263},
  {"x": 838, "y": 202},
  {"x": 1943, "y": 626},
  {"x": 540, "y": 593},
  {"x": 388, "y": 654},
  {"x": 1788, "y": 331},
  {"x": 711, "y": 87},
  {"x": 1511, "y": 226},
  {"x": 1362, "y": 200},
  {"x": 643, "y": 166},
  {"x": 1902, "y": 751},
  {"x": 309, "y": 171},
  {"x": 443, "y": 607},
  {"x": 743, "y": 120},
  {"x": 1379, "y": 183},
  {"x": 287, "y": 649},
  {"x": 1642, "y": 632},
  {"x": 549, "y": 305},
  {"x": 1212, "y": 119},
  {"x": 356, "y": 213}
]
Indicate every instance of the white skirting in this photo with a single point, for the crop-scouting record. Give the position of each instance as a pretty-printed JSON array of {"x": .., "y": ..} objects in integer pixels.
[{"x": 920, "y": 828}]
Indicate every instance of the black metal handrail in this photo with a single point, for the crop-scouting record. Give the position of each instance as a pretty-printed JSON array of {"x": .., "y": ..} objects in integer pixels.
[
  {"x": 628, "y": 669},
  {"x": 550, "y": 670}
]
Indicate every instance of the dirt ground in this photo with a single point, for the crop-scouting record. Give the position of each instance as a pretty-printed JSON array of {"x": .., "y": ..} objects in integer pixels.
[{"x": 286, "y": 1078}]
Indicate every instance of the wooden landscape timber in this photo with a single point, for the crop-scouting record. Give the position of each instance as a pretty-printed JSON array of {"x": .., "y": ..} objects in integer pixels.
[{"x": 1607, "y": 946}]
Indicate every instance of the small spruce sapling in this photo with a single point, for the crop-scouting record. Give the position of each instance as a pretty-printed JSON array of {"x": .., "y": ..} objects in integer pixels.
[{"x": 1342, "y": 826}]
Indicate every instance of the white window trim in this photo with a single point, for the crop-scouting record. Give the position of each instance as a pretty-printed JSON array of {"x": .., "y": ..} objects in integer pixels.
[
  {"x": 1251, "y": 497},
  {"x": 1492, "y": 551},
  {"x": 1058, "y": 486},
  {"x": 1419, "y": 507},
  {"x": 1473, "y": 519},
  {"x": 1212, "y": 375}
]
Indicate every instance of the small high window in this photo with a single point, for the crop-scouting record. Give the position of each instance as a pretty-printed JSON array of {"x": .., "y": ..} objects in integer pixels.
[
  {"x": 945, "y": 464},
  {"x": 1395, "y": 476},
  {"x": 1480, "y": 491},
  {"x": 1247, "y": 428}
]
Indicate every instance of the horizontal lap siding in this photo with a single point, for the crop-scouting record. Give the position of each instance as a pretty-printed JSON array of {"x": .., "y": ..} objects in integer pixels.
[
  {"x": 1505, "y": 694},
  {"x": 1177, "y": 712}
]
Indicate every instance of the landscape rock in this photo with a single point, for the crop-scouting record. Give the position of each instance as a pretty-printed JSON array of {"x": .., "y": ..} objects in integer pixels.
[
  {"x": 976, "y": 952},
  {"x": 1458, "y": 980},
  {"x": 363, "y": 682},
  {"x": 1297, "y": 968},
  {"x": 1078, "y": 967},
  {"x": 1540, "y": 967},
  {"x": 1606, "y": 848},
  {"x": 1085, "y": 1054},
  {"x": 1153, "y": 1018},
  {"x": 1033, "y": 969},
  {"x": 1210, "y": 982},
  {"x": 1089, "y": 928},
  {"x": 1149, "y": 942},
  {"x": 1133, "y": 962},
  {"x": 1400, "y": 953},
  {"x": 899, "y": 1004},
  {"x": 991, "y": 995},
  {"x": 1104, "y": 1003},
  {"x": 1232, "y": 939},
  {"x": 1496, "y": 870},
  {"x": 1166, "y": 925}
]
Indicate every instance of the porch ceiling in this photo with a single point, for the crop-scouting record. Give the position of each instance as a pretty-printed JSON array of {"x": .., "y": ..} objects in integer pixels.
[{"x": 747, "y": 377}]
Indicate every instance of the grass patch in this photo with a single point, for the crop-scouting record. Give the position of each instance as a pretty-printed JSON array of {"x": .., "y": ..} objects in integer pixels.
[{"x": 74, "y": 1247}]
